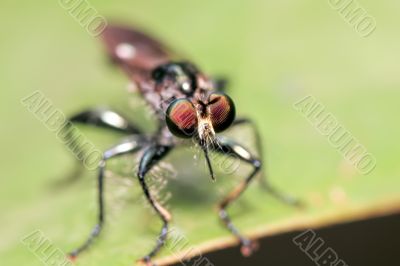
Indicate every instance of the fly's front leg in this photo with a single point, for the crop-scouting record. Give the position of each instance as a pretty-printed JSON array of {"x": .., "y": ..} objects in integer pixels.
[
  {"x": 130, "y": 145},
  {"x": 150, "y": 157},
  {"x": 230, "y": 148},
  {"x": 265, "y": 183}
]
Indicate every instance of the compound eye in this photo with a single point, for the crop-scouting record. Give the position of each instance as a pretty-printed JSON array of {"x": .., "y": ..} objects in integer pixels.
[
  {"x": 222, "y": 111},
  {"x": 181, "y": 118}
]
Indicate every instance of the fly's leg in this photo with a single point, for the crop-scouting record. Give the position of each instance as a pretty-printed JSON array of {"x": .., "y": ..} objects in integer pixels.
[
  {"x": 101, "y": 117},
  {"x": 130, "y": 145},
  {"x": 105, "y": 118},
  {"x": 150, "y": 157},
  {"x": 230, "y": 148},
  {"x": 219, "y": 83},
  {"x": 265, "y": 183}
]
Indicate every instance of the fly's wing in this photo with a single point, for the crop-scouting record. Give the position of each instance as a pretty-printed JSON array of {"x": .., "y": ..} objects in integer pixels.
[{"x": 135, "y": 52}]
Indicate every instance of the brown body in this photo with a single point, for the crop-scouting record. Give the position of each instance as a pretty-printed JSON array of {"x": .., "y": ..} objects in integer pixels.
[{"x": 139, "y": 55}]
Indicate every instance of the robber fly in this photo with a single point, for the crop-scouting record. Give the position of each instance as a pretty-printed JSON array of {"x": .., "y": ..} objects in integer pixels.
[{"x": 188, "y": 104}]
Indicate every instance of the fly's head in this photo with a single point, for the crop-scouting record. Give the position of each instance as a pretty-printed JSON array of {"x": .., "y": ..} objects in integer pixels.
[{"x": 201, "y": 117}]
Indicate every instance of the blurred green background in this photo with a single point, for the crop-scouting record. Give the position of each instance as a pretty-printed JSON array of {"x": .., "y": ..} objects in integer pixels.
[{"x": 273, "y": 52}]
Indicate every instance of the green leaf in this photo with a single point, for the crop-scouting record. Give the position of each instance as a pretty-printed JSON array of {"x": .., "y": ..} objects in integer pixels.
[{"x": 274, "y": 55}]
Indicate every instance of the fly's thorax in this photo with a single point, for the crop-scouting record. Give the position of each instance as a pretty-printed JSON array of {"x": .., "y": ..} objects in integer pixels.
[{"x": 178, "y": 76}]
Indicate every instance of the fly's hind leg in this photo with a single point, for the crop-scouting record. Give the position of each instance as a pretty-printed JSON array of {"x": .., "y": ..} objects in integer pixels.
[
  {"x": 264, "y": 180},
  {"x": 101, "y": 117}
]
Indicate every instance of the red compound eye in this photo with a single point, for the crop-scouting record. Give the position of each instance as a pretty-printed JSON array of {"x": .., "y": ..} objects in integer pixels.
[
  {"x": 222, "y": 111},
  {"x": 181, "y": 118}
]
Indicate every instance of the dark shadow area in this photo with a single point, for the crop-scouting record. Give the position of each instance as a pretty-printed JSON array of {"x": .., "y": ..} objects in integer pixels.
[{"x": 362, "y": 243}]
